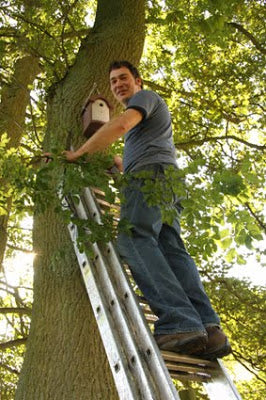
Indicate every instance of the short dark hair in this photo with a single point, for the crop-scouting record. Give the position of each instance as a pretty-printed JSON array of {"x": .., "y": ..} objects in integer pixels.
[{"x": 119, "y": 64}]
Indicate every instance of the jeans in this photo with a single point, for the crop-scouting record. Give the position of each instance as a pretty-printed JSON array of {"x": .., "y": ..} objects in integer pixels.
[{"x": 163, "y": 270}]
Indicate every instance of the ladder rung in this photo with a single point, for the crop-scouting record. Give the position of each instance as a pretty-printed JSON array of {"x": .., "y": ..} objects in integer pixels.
[
  {"x": 171, "y": 356},
  {"x": 108, "y": 205},
  {"x": 186, "y": 368},
  {"x": 150, "y": 318},
  {"x": 148, "y": 311},
  {"x": 97, "y": 191},
  {"x": 189, "y": 377},
  {"x": 142, "y": 300}
]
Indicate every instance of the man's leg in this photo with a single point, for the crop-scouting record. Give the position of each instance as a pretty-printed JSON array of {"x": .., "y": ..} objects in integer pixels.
[
  {"x": 150, "y": 268},
  {"x": 185, "y": 270},
  {"x": 187, "y": 274}
]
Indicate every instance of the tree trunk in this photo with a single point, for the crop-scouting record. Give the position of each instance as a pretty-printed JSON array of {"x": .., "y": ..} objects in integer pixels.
[
  {"x": 187, "y": 394},
  {"x": 14, "y": 101},
  {"x": 65, "y": 359}
]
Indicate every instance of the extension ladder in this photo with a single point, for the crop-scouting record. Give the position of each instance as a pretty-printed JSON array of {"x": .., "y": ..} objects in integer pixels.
[{"x": 140, "y": 370}]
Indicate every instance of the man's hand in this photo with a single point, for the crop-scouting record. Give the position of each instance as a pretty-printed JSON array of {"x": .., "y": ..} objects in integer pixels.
[
  {"x": 47, "y": 157},
  {"x": 70, "y": 155},
  {"x": 118, "y": 163}
]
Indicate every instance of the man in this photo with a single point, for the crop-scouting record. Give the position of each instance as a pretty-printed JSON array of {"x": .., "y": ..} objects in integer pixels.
[{"x": 160, "y": 264}]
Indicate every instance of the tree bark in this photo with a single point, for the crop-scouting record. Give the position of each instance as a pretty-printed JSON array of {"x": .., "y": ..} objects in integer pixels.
[
  {"x": 65, "y": 359},
  {"x": 14, "y": 101}
]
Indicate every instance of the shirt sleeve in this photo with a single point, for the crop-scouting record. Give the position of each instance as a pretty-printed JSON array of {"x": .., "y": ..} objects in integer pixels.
[{"x": 144, "y": 101}]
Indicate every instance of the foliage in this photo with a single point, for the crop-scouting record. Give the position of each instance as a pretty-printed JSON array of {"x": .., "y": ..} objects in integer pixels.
[
  {"x": 206, "y": 58},
  {"x": 59, "y": 180},
  {"x": 233, "y": 297},
  {"x": 50, "y": 30},
  {"x": 211, "y": 75},
  {"x": 18, "y": 176},
  {"x": 15, "y": 306}
]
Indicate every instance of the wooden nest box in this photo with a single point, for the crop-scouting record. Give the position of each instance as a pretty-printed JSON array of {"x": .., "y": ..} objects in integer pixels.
[{"x": 95, "y": 113}]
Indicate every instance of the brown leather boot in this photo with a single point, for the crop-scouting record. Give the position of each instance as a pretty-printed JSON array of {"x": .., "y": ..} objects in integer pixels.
[
  {"x": 185, "y": 342},
  {"x": 218, "y": 345}
]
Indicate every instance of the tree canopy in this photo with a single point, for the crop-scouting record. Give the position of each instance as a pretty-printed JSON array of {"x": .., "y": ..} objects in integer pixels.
[{"x": 206, "y": 58}]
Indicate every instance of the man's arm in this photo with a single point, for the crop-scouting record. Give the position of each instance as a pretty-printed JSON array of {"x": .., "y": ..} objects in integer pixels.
[{"x": 107, "y": 134}]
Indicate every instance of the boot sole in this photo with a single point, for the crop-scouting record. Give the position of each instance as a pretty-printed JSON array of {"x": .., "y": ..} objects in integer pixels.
[
  {"x": 194, "y": 345},
  {"x": 219, "y": 353}
]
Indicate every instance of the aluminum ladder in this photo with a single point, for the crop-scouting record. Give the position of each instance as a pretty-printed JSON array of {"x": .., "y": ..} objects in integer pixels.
[{"x": 140, "y": 370}]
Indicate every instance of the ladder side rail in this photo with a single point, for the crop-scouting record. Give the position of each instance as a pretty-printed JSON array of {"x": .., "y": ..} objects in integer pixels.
[
  {"x": 139, "y": 324},
  {"x": 125, "y": 384},
  {"x": 143, "y": 334},
  {"x": 138, "y": 368},
  {"x": 222, "y": 387},
  {"x": 139, "y": 372}
]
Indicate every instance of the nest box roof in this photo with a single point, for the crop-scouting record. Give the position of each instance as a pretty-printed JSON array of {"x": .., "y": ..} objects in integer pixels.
[{"x": 92, "y": 99}]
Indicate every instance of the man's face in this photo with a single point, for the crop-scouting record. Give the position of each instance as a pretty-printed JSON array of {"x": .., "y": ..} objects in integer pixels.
[{"x": 123, "y": 84}]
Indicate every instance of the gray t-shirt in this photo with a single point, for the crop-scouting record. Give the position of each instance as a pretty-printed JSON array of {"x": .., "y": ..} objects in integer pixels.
[{"x": 151, "y": 141}]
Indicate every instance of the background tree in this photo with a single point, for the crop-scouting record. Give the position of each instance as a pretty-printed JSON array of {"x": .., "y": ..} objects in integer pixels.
[{"x": 206, "y": 58}]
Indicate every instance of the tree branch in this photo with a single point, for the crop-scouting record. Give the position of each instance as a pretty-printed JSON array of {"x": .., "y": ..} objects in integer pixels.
[
  {"x": 240, "y": 359},
  {"x": 14, "y": 287},
  {"x": 13, "y": 343},
  {"x": 9, "y": 369},
  {"x": 260, "y": 223},
  {"x": 233, "y": 292},
  {"x": 233, "y": 117},
  {"x": 241, "y": 29},
  {"x": 32, "y": 23},
  {"x": 13, "y": 33},
  {"x": 39, "y": 143},
  {"x": 156, "y": 86},
  {"x": 199, "y": 142},
  {"x": 15, "y": 310},
  {"x": 8, "y": 32},
  {"x": 27, "y": 251}
]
